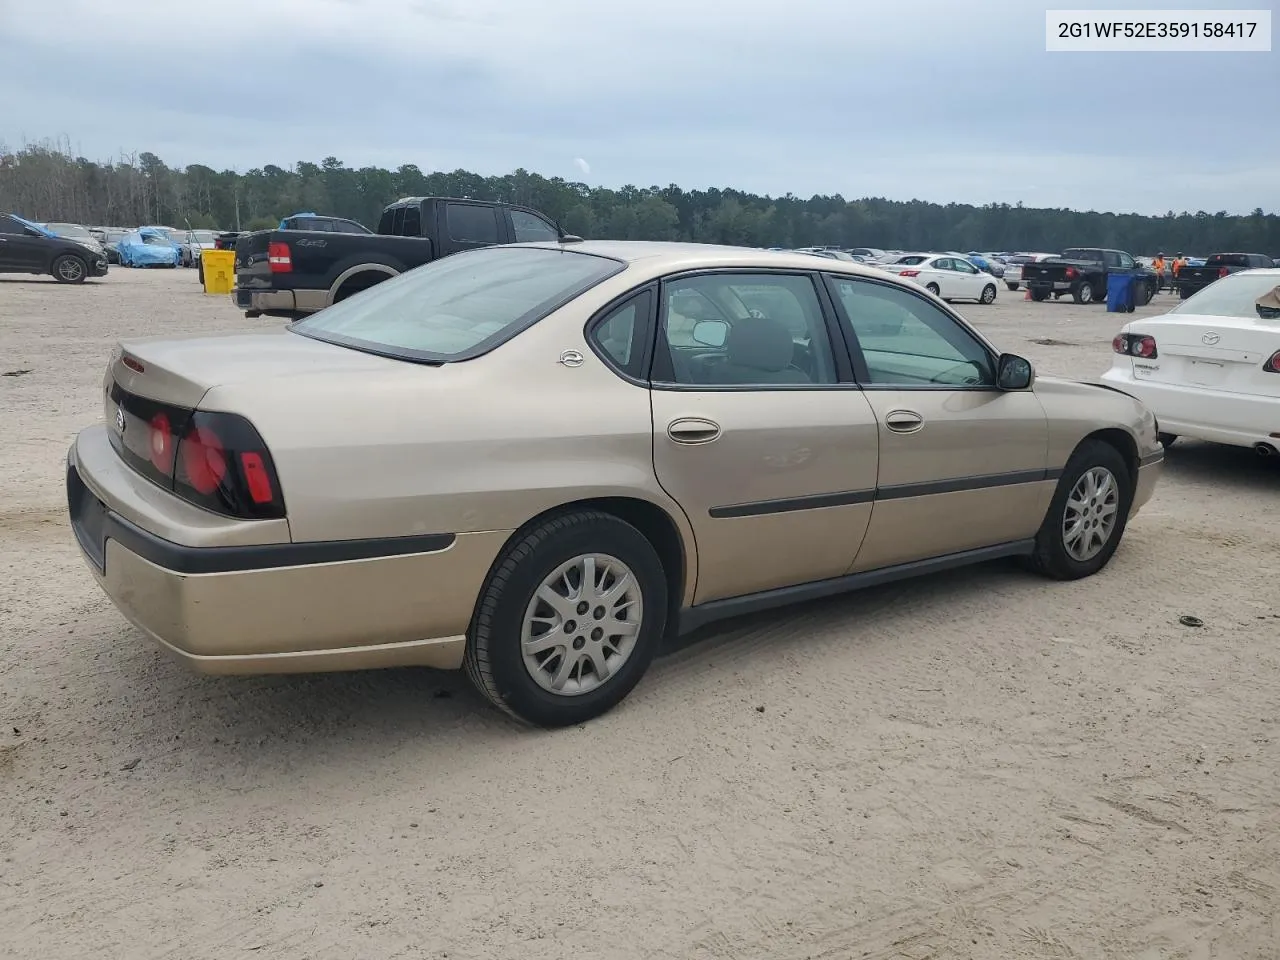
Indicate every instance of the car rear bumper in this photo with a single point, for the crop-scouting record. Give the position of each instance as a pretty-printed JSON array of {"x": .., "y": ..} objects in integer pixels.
[
  {"x": 269, "y": 608},
  {"x": 1239, "y": 419},
  {"x": 283, "y": 302}
]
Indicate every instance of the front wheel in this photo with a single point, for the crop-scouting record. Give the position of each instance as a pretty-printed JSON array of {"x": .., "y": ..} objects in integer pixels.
[
  {"x": 569, "y": 620},
  {"x": 1087, "y": 514},
  {"x": 1167, "y": 440},
  {"x": 69, "y": 268},
  {"x": 988, "y": 294}
]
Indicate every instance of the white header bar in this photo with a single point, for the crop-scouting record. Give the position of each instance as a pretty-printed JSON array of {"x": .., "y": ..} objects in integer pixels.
[{"x": 1139, "y": 31}]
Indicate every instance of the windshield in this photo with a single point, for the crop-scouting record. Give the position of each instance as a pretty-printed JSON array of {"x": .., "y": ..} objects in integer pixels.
[
  {"x": 460, "y": 306},
  {"x": 72, "y": 231},
  {"x": 156, "y": 240},
  {"x": 1232, "y": 296},
  {"x": 203, "y": 237}
]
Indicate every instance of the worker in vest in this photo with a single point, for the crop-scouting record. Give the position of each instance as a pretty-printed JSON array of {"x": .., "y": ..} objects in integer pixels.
[
  {"x": 1178, "y": 263},
  {"x": 1158, "y": 266}
]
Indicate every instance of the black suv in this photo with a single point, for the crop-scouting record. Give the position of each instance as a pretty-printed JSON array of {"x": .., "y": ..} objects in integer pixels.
[{"x": 27, "y": 248}]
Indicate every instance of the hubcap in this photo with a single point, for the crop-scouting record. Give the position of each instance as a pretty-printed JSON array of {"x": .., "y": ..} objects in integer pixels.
[
  {"x": 988, "y": 294},
  {"x": 1090, "y": 516},
  {"x": 581, "y": 625},
  {"x": 69, "y": 269}
]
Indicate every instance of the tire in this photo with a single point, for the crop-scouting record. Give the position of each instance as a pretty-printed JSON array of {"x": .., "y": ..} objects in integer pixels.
[
  {"x": 1141, "y": 295},
  {"x": 200, "y": 265},
  {"x": 1082, "y": 293},
  {"x": 1039, "y": 295},
  {"x": 1167, "y": 440},
  {"x": 1052, "y": 556},
  {"x": 988, "y": 294},
  {"x": 495, "y": 659},
  {"x": 1012, "y": 286},
  {"x": 933, "y": 288},
  {"x": 69, "y": 268}
]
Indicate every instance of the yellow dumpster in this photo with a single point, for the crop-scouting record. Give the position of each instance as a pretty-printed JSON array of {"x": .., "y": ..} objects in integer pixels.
[{"x": 219, "y": 270}]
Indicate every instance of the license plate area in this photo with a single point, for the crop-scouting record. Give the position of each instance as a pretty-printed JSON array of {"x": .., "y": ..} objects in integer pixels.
[{"x": 1205, "y": 373}]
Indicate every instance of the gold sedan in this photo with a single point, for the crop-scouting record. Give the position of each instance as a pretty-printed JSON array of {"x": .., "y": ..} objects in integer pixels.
[{"x": 537, "y": 460}]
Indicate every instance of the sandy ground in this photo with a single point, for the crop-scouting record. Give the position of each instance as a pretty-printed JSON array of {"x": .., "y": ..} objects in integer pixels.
[{"x": 979, "y": 764}]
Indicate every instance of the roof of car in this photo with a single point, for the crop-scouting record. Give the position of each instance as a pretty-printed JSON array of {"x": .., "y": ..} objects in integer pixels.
[{"x": 675, "y": 256}]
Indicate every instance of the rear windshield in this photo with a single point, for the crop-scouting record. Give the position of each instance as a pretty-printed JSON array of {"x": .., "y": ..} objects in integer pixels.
[
  {"x": 1234, "y": 295},
  {"x": 1228, "y": 260},
  {"x": 460, "y": 306}
]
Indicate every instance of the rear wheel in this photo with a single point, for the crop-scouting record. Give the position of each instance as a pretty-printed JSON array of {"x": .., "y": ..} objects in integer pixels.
[
  {"x": 1083, "y": 293},
  {"x": 69, "y": 268},
  {"x": 988, "y": 293},
  {"x": 932, "y": 288},
  {"x": 1039, "y": 295},
  {"x": 569, "y": 620},
  {"x": 1087, "y": 514},
  {"x": 1012, "y": 286}
]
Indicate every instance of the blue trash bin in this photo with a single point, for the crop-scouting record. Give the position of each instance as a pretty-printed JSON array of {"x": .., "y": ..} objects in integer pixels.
[{"x": 1120, "y": 292}]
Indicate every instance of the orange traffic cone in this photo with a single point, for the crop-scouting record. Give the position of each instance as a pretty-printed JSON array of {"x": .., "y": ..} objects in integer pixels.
[{"x": 1027, "y": 295}]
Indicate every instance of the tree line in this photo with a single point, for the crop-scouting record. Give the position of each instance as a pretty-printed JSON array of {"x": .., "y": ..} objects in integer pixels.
[{"x": 46, "y": 182}]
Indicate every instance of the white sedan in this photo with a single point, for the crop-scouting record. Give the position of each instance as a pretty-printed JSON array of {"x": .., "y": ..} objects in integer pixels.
[
  {"x": 944, "y": 275},
  {"x": 1210, "y": 367}
]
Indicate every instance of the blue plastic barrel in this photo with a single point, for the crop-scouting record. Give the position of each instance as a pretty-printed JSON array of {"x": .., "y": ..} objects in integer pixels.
[{"x": 1120, "y": 292}]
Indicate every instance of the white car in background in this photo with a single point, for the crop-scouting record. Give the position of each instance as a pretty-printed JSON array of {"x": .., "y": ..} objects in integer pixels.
[
  {"x": 944, "y": 275},
  {"x": 1013, "y": 267},
  {"x": 1210, "y": 367}
]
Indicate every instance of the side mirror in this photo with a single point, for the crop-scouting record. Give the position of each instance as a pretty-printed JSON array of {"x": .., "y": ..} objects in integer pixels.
[
  {"x": 1014, "y": 372},
  {"x": 711, "y": 333}
]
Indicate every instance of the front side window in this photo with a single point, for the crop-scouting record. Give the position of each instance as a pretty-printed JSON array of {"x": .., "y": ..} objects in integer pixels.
[
  {"x": 744, "y": 329},
  {"x": 907, "y": 341},
  {"x": 531, "y": 229},
  {"x": 1111, "y": 259},
  {"x": 472, "y": 223},
  {"x": 459, "y": 306},
  {"x": 964, "y": 266},
  {"x": 1126, "y": 262}
]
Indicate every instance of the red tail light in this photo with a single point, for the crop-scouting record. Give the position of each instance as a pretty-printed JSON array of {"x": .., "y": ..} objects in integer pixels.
[
  {"x": 256, "y": 477},
  {"x": 204, "y": 460},
  {"x": 1273, "y": 364},
  {"x": 1135, "y": 345},
  {"x": 160, "y": 443},
  {"x": 224, "y": 466},
  {"x": 1071, "y": 273},
  {"x": 909, "y": 273},
  {"x": 1222, "y": 272},
  {"x": 279, "y": 257}
]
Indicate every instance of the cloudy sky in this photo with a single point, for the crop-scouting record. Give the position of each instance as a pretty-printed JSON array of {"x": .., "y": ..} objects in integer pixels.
[{"x": 943, "y": 100}]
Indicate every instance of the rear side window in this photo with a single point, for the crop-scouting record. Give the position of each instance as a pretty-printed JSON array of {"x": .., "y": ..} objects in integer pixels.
[
  {"x": 10, "y": 225},
  {"x": 385, "y": 222},
  {"x": 412, "y": 221},
  {"x": 469, "y": 223},
  {"x": 397, "y": 222},
  {"x": 461, "y": 306},
  {"x": 531, "y": 229}
]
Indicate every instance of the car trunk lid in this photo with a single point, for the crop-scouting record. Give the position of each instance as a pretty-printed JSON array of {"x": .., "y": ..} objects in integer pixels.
[
  {"x": 181, "y": 370},
  {"x": 1220, "y": 353}
]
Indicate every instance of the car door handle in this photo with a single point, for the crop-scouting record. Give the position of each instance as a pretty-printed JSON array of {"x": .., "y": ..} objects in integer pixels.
[
  {"x": 693, "y": 430},
  {"x": 903, "y": 421}
]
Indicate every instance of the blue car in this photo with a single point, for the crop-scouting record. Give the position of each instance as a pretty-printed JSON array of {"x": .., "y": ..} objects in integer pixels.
[{"x": 148, "y": 247}]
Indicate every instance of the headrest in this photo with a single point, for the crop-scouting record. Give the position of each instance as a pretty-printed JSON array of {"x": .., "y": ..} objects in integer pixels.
[{"x": 760, "y": 343}]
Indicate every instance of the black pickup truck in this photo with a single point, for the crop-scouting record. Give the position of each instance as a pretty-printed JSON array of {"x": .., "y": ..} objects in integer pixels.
[
  {"x": 291, "y": 273},
  {"x": 1191, "y": 280},
  {"x": 1082, "y": 272}
]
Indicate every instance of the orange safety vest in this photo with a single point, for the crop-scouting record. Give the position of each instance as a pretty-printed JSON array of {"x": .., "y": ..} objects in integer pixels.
[
  {"x": 1157, "y": 265},
  {"x": 1177, "y": 266}
]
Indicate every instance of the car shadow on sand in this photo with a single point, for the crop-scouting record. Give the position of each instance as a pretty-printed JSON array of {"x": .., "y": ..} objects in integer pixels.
[{"x": 1237, "y": 469}]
